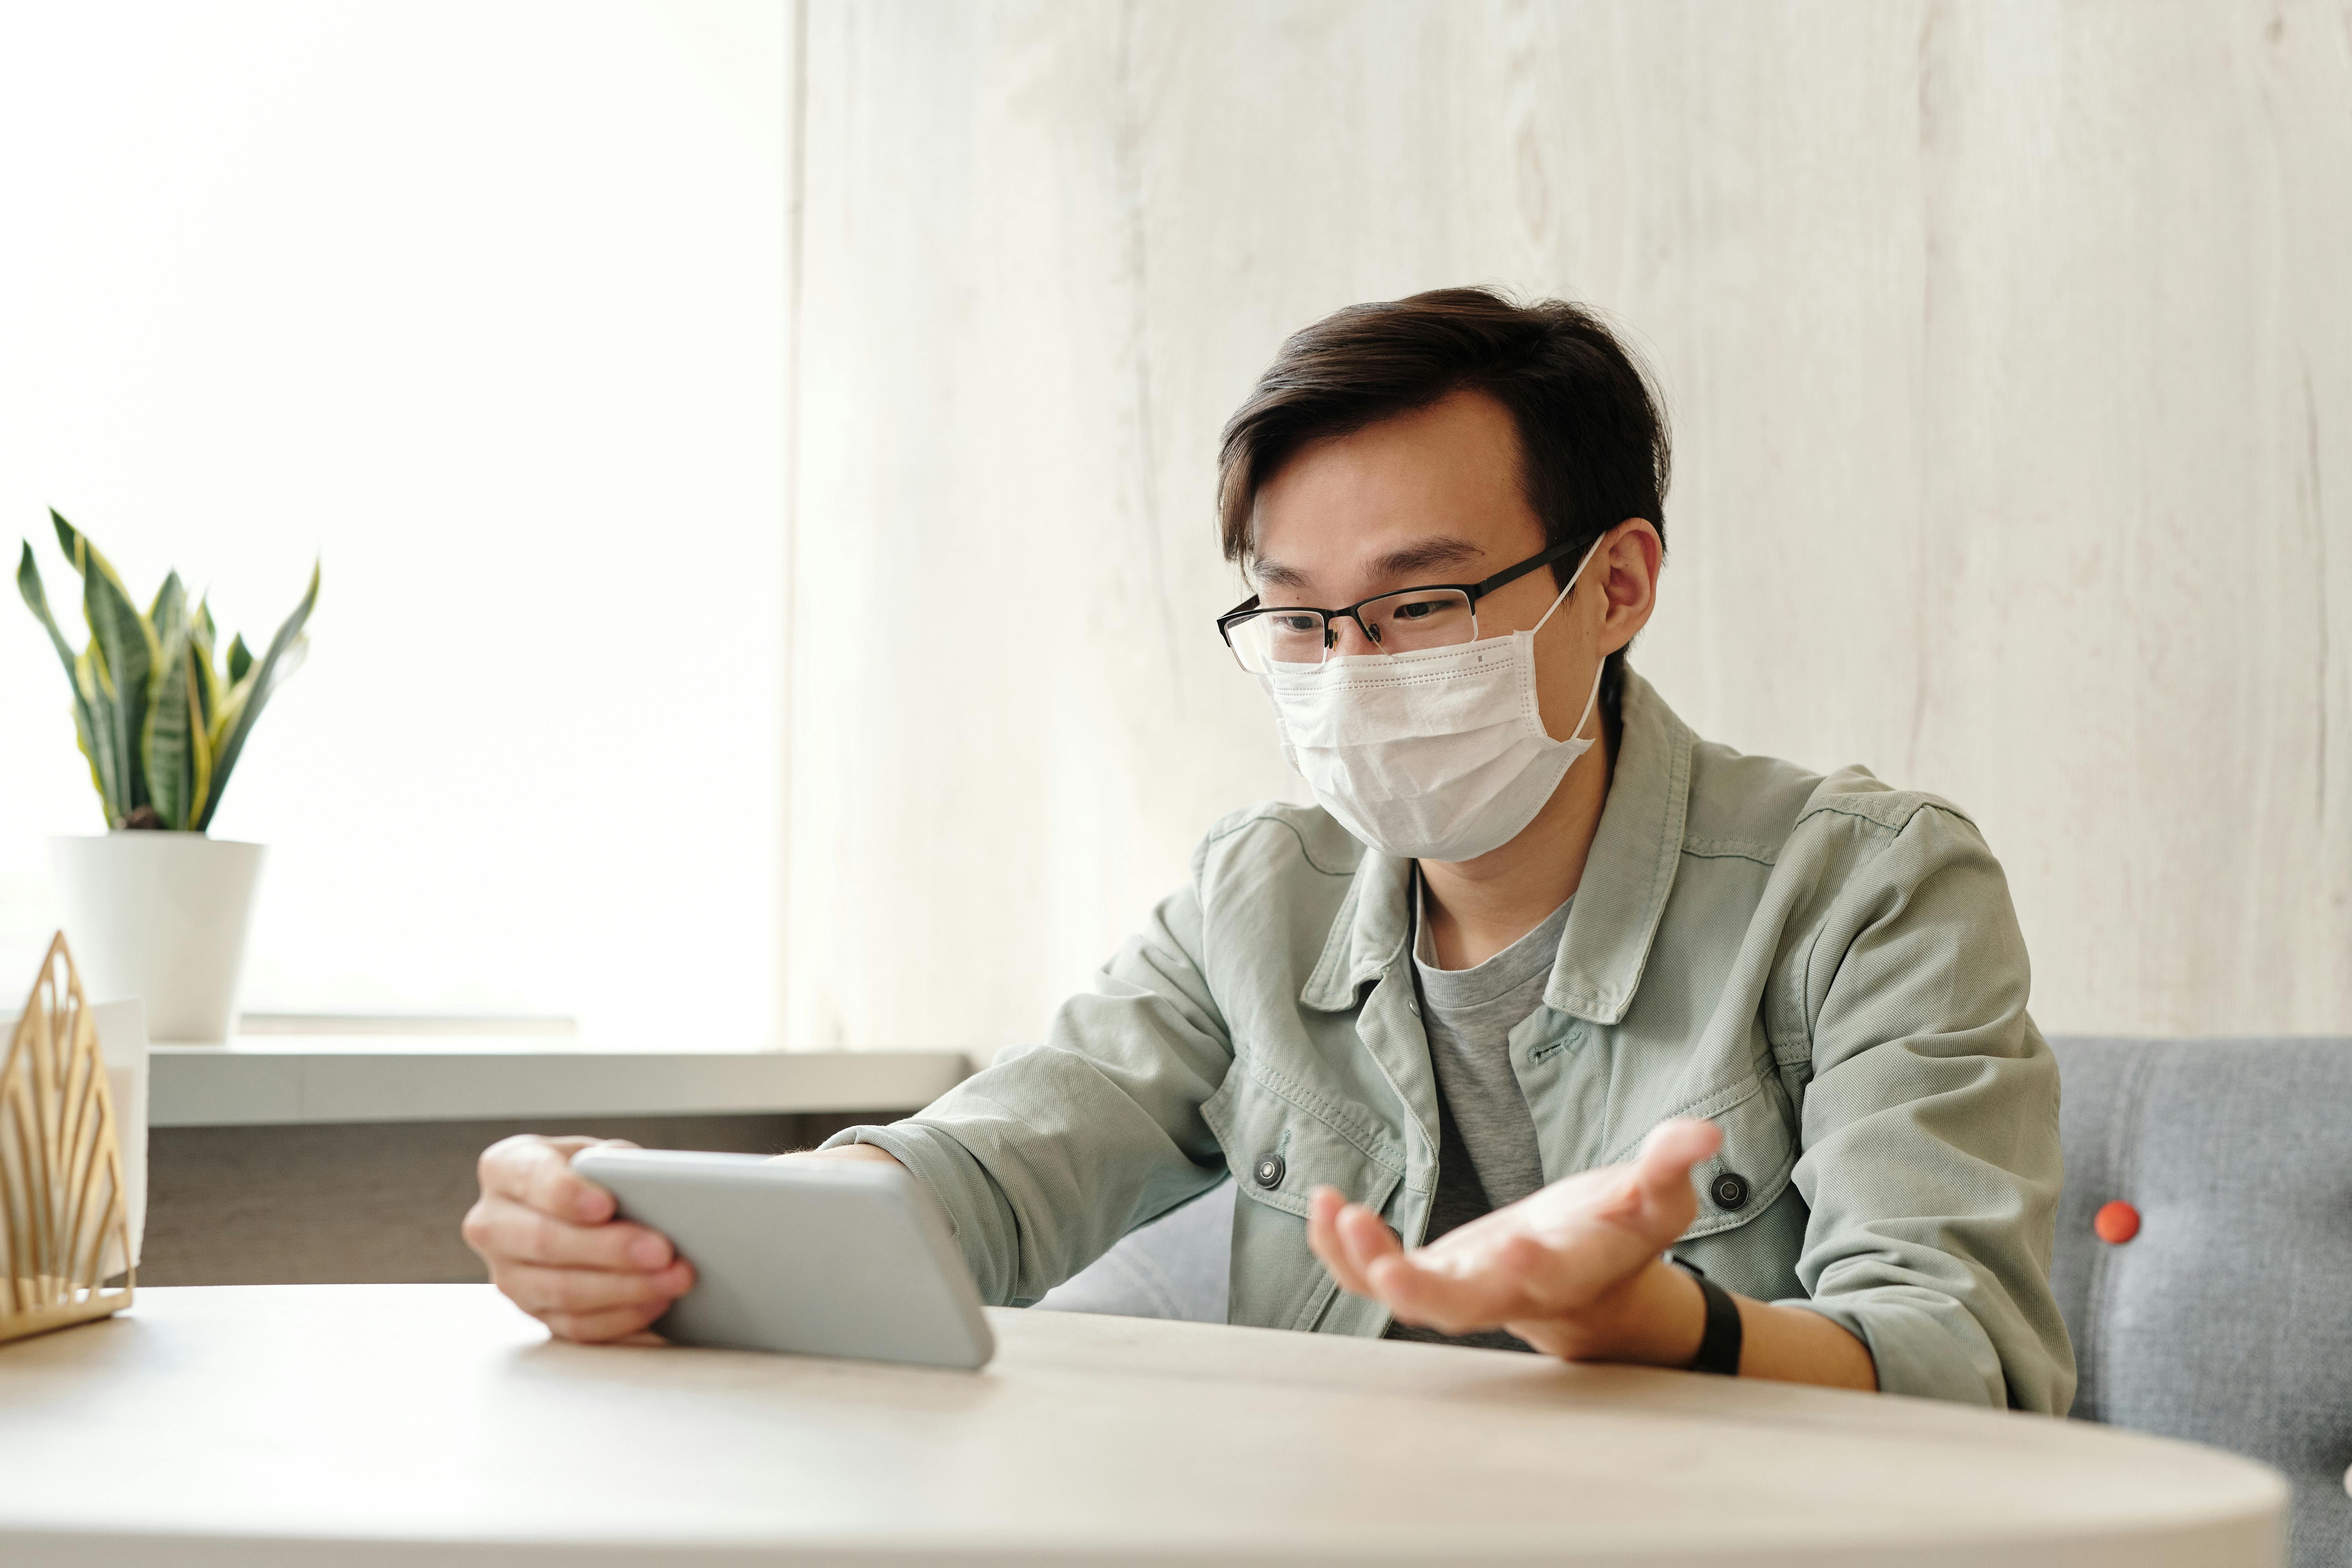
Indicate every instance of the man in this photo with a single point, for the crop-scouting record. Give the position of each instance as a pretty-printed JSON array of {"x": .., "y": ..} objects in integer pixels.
[{"x": 1550, "y": 1026}]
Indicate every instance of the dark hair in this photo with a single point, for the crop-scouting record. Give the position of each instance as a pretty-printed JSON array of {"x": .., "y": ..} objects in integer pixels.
[{"x": 1593, "y": 445}]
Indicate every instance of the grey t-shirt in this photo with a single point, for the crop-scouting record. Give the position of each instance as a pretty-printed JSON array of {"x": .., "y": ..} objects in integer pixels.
[{"x": 1486, "y": 1155}]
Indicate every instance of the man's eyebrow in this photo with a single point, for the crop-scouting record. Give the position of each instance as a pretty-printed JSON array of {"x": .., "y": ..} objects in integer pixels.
[
  {"x": 1275, "y": 574},
  {"x": 1425, "y": 554},
  {"x": 1422, "y": 555}
]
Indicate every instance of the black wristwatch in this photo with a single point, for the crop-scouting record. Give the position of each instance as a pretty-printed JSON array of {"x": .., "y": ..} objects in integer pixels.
[{"x": 1718, "y": 1347}]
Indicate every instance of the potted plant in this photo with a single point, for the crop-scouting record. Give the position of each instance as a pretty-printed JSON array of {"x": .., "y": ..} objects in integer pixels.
[{"x": 155, "y": 909}]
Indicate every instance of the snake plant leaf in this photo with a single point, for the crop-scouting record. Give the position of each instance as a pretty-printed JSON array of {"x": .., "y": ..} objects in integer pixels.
[
  {"x": 175, "y": 751},
  {"x": 169, "y": 610},
  {"x": 37, "y": 598},
  {"x": 234, "y": 693},
  {"x": 169, "y": 618},
  {"x": 86, "y": 559},
  {"x": 127, "y": 655},
  {"x": 226, "y": 714},
  {"x": 232, "y": 709},
  {"x": 200, "y": 746},
  {"x": 126, "y": 662},
  {"x": 163, "y": 737},
  {"x": 208, "y": 680},
  {"x": 87, "y": 747},
  {"x": 250, "y": 693},
  {"x": 28, "y": 584},
  {"x": 98, "y": 734}
]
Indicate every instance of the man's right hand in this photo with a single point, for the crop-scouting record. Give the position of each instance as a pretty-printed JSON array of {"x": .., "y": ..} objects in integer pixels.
[{"x": 555, "y": 1247}]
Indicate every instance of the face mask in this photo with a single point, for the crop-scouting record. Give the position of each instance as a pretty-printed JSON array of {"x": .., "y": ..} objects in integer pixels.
[{"x": 1436, "y": 754}]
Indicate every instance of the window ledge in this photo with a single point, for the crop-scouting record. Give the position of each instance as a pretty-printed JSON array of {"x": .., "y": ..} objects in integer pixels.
[{"x": 281, "y": 1080}]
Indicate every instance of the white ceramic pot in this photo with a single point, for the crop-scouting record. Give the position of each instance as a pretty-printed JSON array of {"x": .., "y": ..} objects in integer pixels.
[{"x": 163, "y": 917}]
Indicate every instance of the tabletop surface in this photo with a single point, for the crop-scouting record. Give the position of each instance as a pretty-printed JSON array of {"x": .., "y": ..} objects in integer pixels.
[{"x": 436, "y": 1422}]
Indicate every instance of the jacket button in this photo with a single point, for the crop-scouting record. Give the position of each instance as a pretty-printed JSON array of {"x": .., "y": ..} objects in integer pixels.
[
  {"x": 1270, "y": 1169},
  {"x": 2115, "y": 1222},
  {"x": 1729, "y": 1190}
]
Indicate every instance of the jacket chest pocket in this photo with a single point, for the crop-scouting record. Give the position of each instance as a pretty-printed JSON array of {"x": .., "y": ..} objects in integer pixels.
[
  {"x": 1281, "y": 1144},
  {"x": 1748, "y": 1174}
]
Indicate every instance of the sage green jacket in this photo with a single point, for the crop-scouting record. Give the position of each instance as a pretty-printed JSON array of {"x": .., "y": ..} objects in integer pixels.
[{"x": 1827, "y": 968}]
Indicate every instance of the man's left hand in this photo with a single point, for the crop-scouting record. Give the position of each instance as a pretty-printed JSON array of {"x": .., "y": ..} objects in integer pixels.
[{"x": 1574, "y": 1269}]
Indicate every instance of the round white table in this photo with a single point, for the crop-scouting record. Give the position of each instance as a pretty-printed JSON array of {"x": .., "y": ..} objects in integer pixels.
[{"x": 404, "y": 1424}]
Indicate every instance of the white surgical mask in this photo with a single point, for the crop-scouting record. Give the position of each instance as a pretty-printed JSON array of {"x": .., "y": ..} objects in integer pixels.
[{"x": 1436, "y": 754}]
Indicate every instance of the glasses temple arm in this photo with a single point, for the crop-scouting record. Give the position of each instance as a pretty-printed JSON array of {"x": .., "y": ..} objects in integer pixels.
[{"x": 1510, "y": 575}]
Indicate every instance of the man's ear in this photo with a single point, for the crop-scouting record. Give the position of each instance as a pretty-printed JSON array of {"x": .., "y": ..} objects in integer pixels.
[{"x": 1626, "y": 566}]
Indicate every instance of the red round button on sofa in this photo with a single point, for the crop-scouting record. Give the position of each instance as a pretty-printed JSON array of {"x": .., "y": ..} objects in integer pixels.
[{"x": 2116, "y": 1221}]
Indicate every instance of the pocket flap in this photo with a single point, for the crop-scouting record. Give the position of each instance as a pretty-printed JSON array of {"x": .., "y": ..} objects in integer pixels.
[
  {"x": 1279, "y": 1150},
  {"x": 1751, "y": 1171}
]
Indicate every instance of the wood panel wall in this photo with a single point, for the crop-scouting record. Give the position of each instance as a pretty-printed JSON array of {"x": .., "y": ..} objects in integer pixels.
[{"x": 2009, "y": 345}]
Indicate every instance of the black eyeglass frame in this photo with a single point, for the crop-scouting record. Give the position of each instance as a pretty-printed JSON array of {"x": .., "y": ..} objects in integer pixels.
[{"x": 1250, "y": 608}]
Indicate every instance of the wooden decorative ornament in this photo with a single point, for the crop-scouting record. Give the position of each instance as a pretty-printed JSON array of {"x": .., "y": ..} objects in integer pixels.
[{"x": 62, "y": 1194}]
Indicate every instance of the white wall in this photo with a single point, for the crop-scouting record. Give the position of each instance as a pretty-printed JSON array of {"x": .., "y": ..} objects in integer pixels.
[
  {"x": 2010, "y": 347},
  {"x": 481, "y": 302}
]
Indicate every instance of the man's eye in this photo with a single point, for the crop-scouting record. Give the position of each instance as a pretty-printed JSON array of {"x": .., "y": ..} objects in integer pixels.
[
  {"x": 1296, "y": 626},
  {"x": 1413, "y": 611}
]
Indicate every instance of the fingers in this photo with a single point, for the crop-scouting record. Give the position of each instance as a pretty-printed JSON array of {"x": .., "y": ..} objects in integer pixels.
[
  {"x": 1660, "y": 1190},
  {"x": 536, "y": 1172},
  {"x": 1368, "y": 1259},
  {"x": 1323, "y": 1207},
  {"x": 1346, "y": 1238},
  {"x": 578, "y": 1293},
  {"x": 502, "y": 1230},
  {"x": 1560, "y": 1251},
  {"x": 626, "y": 1323},
  {"x": 555, "y": 1248},
  {"x": 1367, "y": 1239},
  {"x": 1434, "y": 1290}
]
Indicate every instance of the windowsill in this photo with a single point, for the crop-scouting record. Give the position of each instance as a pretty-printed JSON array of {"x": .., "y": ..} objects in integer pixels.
[{"x": 287, "y": 1079}]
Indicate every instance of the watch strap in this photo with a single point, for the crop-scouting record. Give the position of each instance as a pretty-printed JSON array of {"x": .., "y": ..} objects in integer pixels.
[{"x": 1718, "y": 1345}]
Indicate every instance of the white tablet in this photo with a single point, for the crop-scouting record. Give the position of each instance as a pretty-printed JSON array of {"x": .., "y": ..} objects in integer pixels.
[{"x": 844, "y": 1257}]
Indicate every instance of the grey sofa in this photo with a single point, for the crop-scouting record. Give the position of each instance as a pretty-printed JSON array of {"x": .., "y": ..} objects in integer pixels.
[{"x": 2226, "y": 1320}]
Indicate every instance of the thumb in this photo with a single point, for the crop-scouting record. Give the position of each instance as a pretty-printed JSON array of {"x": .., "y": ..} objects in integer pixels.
[{"x": 1662, "y": 1169}]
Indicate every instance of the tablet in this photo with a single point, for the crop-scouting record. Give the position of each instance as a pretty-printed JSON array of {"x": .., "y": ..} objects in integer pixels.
[{"x": 840, "y": 1257}]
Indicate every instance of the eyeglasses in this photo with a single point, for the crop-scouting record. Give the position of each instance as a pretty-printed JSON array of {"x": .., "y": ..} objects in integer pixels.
[{"x": 1439, "y": 616}]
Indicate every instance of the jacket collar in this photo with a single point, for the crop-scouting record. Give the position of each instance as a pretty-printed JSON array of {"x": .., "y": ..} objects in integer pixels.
[{"x": 1622, "y": 898}]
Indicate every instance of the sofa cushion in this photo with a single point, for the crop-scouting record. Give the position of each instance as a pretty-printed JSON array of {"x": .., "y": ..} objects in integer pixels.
[
  {"x": 2226, "y": 1317},
  {"x": 1176, "y": 1266}
]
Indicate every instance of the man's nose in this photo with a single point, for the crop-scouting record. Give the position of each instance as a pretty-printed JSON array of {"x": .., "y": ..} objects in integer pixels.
[{"x": 1347, "y": 637}]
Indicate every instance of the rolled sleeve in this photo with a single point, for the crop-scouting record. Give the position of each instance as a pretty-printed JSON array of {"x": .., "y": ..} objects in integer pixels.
[
  {"x": 984, "y": 1225},
  {"x": 1931, "y": 1161},
  {"x": 1048, "y": 1157}
]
